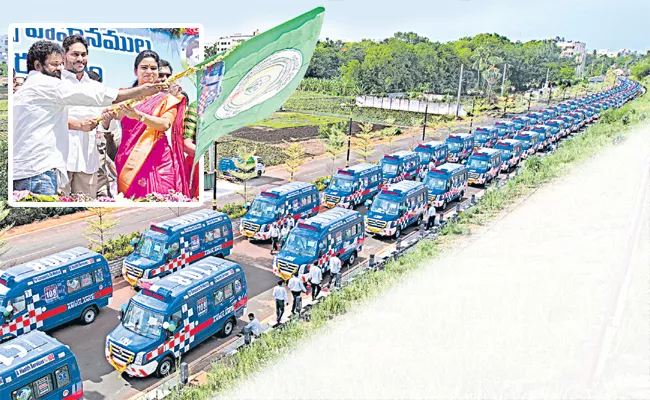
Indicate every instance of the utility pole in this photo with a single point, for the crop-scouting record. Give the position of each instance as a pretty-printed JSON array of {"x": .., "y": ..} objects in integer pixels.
[
  {"x": 347, "y": 160},
  {"x": 471, "y": 121},
  {"x": 478, "y": 81},
  {"x": 460, "y": 87},
  {"x": 547, "y": 72},
  {"x": 530, "y": 94},
  {"x": 424, "y": 128},
  {"x": 214, "y": 179},
  {"x": 550, "y": 91},
  {"x": 503, "y": 81}
]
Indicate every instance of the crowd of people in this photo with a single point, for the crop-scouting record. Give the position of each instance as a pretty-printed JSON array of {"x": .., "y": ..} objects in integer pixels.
[{"x": 74, "y": 136}]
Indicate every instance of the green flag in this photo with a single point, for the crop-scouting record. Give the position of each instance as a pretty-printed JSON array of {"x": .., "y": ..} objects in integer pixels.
[{"x": 255, "y": 79}]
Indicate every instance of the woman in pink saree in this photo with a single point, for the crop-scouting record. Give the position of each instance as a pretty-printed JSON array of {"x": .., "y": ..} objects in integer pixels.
[{"x": 146, "y": 161}]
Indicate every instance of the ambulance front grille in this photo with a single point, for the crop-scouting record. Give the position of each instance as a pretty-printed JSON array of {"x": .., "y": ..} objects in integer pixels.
[
  {"x": 331, "y": 199},
  {"x": 473, "y": 175},
  {"x": 251, "y": 227},
  {"x": 133, "y": 271},
  {"x": 286, "y": 267},
  {"x": 375, "y": 223},
  {"x": 120, "y": 354}
]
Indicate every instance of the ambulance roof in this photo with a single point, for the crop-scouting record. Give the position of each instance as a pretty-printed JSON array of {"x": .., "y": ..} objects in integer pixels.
[
  {"x": 485, "y": 152},
  {"x": 507, "y": 123},
  {"x": 402, "y": 188},
  {"x": 49, "y": 266},
  {"x": 29, "y": 352},
  {"x": 460, "y": 136},
  {"x": 447, "y": 168},
  {"x": 508, "y": 142},
  {"x": 485, "y": 128},
  {"x": 358, "y": 169},
  {"x": 176, "y": 224},
  {"x": 201, "y": 275},
  {"x": 432, "y": 144},
  {"x": 400, "y": 154},
  {"x": 329, "y": 219}
]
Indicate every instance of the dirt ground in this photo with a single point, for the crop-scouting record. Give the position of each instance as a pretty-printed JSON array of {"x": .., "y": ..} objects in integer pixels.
[{"x": 549, "y": 301}]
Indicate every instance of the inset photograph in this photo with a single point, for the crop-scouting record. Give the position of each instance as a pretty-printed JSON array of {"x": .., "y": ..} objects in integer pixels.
[{"x": 103, "y": 115}]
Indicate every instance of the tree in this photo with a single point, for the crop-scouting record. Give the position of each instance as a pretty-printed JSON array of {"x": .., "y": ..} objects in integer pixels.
[
  {"x": 98, "y": 231},
  {"x": 295, "y": 158},
  {"x": 389, "y": 134},
  {"x": 244, "y": 171},
  {"x": 363, "y": 143},
  {"x": 334, "y": 142}
]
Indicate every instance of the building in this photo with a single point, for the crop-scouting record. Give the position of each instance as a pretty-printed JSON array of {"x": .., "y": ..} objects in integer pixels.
[
  {"x": 4, "y": 49},
  {"x": 226, "y": 42},
  {"x": 574, "y": 49},
  {"x": 607, "y": 53}
]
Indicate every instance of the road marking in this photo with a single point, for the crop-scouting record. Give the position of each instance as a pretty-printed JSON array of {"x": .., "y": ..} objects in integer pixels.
[
  {"x": 263, "y": 267},
  {"x": 31, "y": 254}
]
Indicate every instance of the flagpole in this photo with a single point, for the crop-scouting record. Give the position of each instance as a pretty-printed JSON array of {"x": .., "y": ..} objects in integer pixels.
[{"x": 214, "y": 179}]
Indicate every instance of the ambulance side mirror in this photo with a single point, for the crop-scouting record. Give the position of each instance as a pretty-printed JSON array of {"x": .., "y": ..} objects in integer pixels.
[
  {"x": 247, "y": 205},
  {"x": 326, "y": 182},
  {"x": 368, "y": 203},
  {"x": 5, "y": 313},
  {"x": 134, "y": 242},
  {"x": 122, "y": 312}
]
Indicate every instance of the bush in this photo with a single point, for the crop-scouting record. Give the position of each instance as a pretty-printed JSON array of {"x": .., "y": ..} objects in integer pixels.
[
  {"x": 233, "y": 210},
  {"x": 272, "y": 155},
  {"x": 118, "y": 247},
  {"x": 320, "y": 182}
]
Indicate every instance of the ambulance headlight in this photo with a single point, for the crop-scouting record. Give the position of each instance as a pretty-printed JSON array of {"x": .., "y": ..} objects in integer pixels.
[
  {"x": 138, "y": 358},
  {"x": 265, "y": 228}
]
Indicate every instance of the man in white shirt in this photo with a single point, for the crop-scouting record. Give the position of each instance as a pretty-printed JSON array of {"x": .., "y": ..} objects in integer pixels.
[
  {"x": 335, "y": 271},
  {"x": 315, "y": 278},
  {"x": 40, "y": 118},
  {"x": 431, "y": 216},
  {"x": 296, "y": 287},
  {"x": 281, "y": 299},
  {"x": 83, "y": 155},
  {"x": 275, "y": 237}
]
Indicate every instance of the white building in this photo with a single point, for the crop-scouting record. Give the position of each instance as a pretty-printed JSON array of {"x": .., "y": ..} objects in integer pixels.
[
  {"x": 607, "y": 52},
  {"x": 4, "y": 49},
  {"x": 226, "y": 42},
  {"x": 574, "y": 49}
]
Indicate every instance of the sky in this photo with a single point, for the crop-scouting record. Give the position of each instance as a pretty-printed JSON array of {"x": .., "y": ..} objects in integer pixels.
[{"x": 602, "y": 24}]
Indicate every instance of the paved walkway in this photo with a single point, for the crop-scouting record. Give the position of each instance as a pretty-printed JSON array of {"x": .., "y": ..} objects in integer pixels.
[{"x": 549, "y": 302}]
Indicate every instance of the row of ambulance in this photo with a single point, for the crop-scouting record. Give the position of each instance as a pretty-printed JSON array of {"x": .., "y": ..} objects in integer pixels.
[{"x": 188, "y": 291}]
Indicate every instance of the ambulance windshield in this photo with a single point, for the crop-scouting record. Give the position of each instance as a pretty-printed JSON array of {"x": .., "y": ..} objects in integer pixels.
[
  {"x": 149, "y": 248},
  {"x": 298, "y": 244},
  {"x": 435, "y": 183},
  {"x": 477, "y": 163},
  {"x": 343, "y": 185},
  {"x": 389, "y": 169},
  {"x": 454, "y": 146},
  {"x": 262, "y": 209},
  {"x": 142, "y": 321},
  {"x": 386, "y": 207}
]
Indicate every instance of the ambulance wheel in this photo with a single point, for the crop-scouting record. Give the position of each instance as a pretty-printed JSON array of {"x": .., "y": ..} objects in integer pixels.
[
  {"x": 259, "y": 173},
  {"x": 352, "y": 259},
  {"x": 398, "y": 233},
  {"x": 462, "y": 196},
  {"x": 165, "y": 367},
  {"x": 419, "y": 222},
  {"x": 443, "y": 207},
  {"x": 228, "y": 327},
  {"x": 88, "y": 315}
]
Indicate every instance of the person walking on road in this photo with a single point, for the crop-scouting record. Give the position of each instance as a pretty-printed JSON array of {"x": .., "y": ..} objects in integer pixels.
[
  {"x": 281, "y": 299},
  {"x": 284, "y": 234},
  {"x": 431, "y": 216},
  {"x": 296, "y": 287},
  {"x": 335, "y": 271},
  {"x": 291, "y": 223},
  {"x": 315, "y": 278},
  {"x": 275, "y": 237}
]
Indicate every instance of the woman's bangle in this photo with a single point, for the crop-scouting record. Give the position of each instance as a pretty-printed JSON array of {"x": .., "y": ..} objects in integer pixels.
[{"x": 142, "y": 117}]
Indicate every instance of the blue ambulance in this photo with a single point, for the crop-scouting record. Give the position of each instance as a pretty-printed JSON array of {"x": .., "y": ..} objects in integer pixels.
[
  {"x": 511, "y": 150},
  {"x": 36, "y": 366},
  {"x": 395, "y": 208},
  {"x": 506, "y": 129},
  {"x": 176, "y": 314},
  {"x": 483, "y": 165},
  {"x": 399, "y": 166},
  {"x": 432, "y": 151},
  {"x": 485, "y": 136},
  {"x": 275, "y": 206},
  {"x": 460, "y": 146},
  {"x": 45, "y": 293},
  {"x": 559, "y": 128},
  {"x": 338, "y": 231},
  {"x": 174, "y": 244},
  {"x": 545, "y": 136},
  {"x": 529, "y": 141},
  {"x": 352, "y": 186},
  {"x": 446, "y": 183},
  {"x": 521, "y": 123},
  {"x": 570, "y": 122}
]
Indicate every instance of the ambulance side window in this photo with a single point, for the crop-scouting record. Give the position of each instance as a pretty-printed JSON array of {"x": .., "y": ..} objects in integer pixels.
[
  {"x": 174, "y": 249},
  {"x": 216, "y": 234},
  {"x": 218, "y": 296},
  {"x": 18, "y": 304},
  {"x": 177, "y": 318},
  {"x": 99, "y": 275},
  {"x": 237, "y": 286},
  {"x": 226, "y": 230},
  {"x": 62, "y": 376},
  {"x": 359, "y": 230},
  {"x": 348, "y": 234},
  {"x": 86, "y": 280},
  {"x": 227, "y": 291},
  {"x": 209, "y": 236},
  {"x": 73, "y": 284},
  {"x": 339, "y": 236}
]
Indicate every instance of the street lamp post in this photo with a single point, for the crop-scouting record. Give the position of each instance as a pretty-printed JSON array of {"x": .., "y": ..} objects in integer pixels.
[
  {"x": 424, "y": 128},
  {"x": 471, "y": 120},
  {"x": 530, "y": 94},
  {"x": 347, "y": 159}
]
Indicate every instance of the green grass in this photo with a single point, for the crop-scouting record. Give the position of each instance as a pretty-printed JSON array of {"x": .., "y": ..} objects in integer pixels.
[
  {"x": 282, "y": 120},
  {"x": 4, "y": 105}
]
